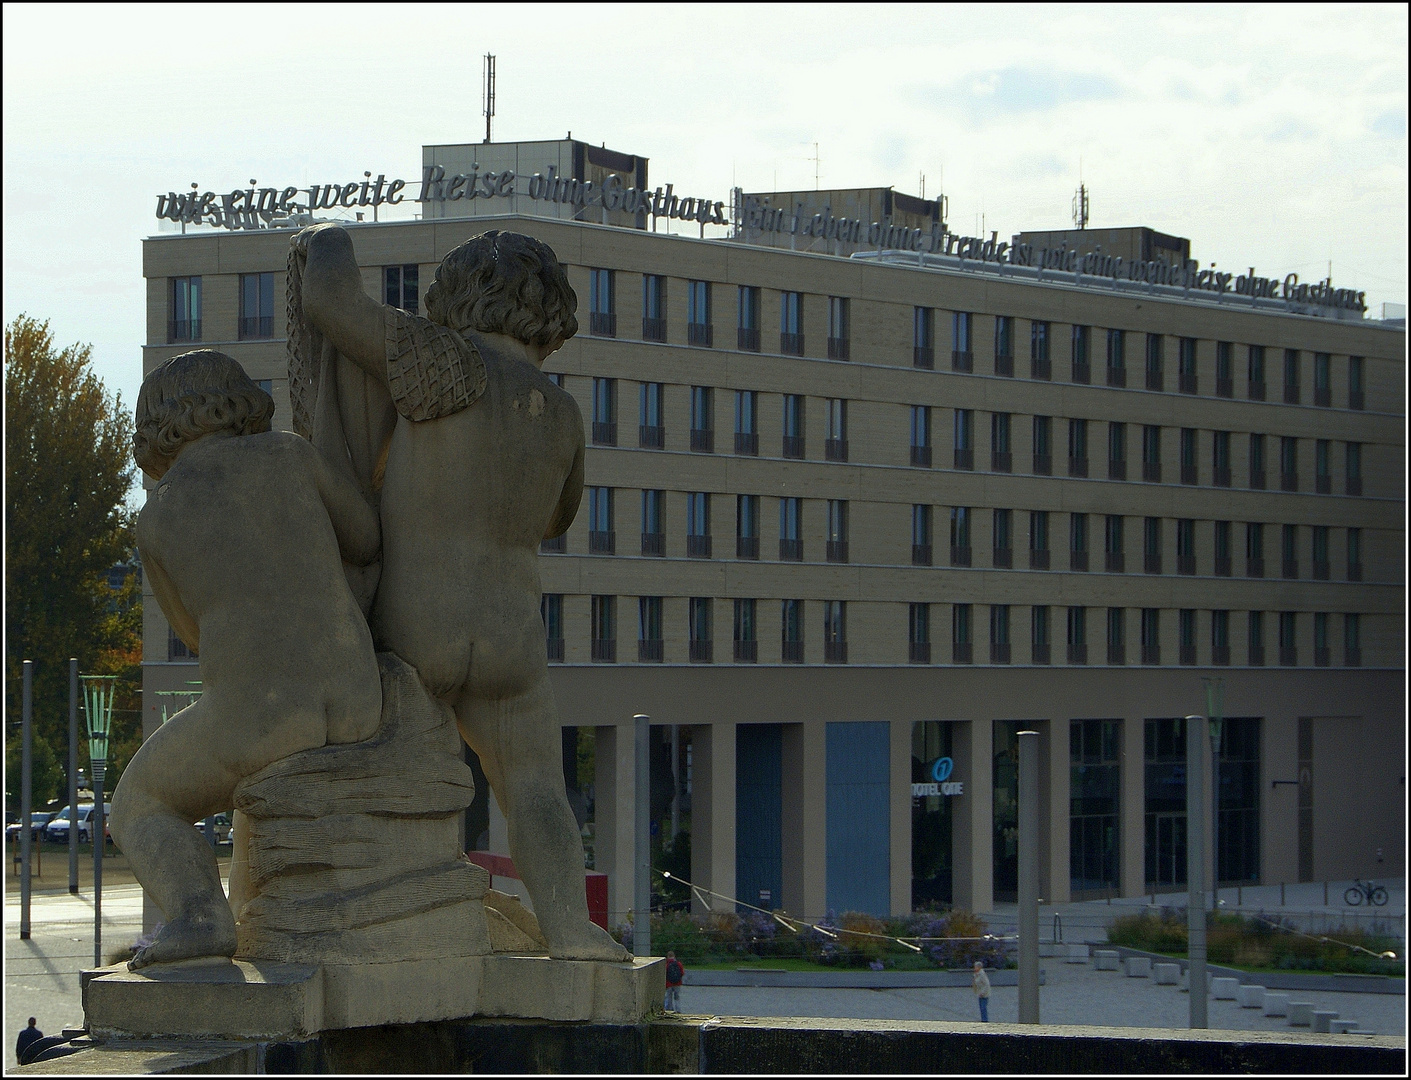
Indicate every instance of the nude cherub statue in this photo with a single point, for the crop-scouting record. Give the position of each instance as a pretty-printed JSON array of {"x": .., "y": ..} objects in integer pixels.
[
  {"x": 241, "y": 540},
  {"x": 481, "y": 460}
]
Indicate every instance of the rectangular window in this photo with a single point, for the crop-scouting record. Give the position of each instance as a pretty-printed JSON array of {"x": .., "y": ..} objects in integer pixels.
[
  {"x": 1038, "y": 540},
  {"x": 835, "y": 632},
  {"x": 1077, "y": 635},
  {"x": 837, "y": 544},
  {"x": 1113, "y": 543},
  {"x": 1043, "y": 445},
  {"x": 601, "y": 537},
  {"x": 653, "y": 532},
  {"x": 698, "y": 524},
  {"x": 1220, "y": 637},
  {"x": 653, "y": 307},
  {"x": 962, "y": 357},
  {"x": 835, "y": 443},
  {"x": 1039, "y": 367},
  {"x": 791, "y": 323},
  {"x": 793, "y": 426},
  {"x": 551, "y": 611},
  {"x": 1116, "y": 451},
  {"x": 923, "y": 337},
  {"x": 790, "y": 529},
  {"x": 702, "y": 420},
  {"x": 839, "y": 328},
  {"x": 1322, "y": 467},
  {"x": 604, "y": 626},
  {"x": 698, "y": 330},
  {"x": 1077, "y": 448},
  {"x": 1185, "y": 546},
  {"x": 1254, "y": 549},
  {"x": 746, "y": 422},
  {"x": 256, "y": 305},
  {"x": 1038, "y": 634},
  {"x": 1322, "y": 571},
  {"x": 698, "y": 618},
  {"x": 964, "y": 438},
  {"x": 651, "y": 434},
  {"x": 649, "y": 642},
  {"x": 605, "y": 412},
  {"x": 1256, "y": 639},
  {"x": 1151, "y": 454},
  {"x": 1354, "y": 554},
  {"x": 1189, "y": 468},
  {"x": 746, "y": 642},
  {"x": 1116, "y": 358},
  {"x": 1078, "y": 541},
  {"x": 1151, "y": 545},
  {"x": 1354, "y": 468},
  {"x": 1256, "y": 462},
  {"x": 1356, "y": 399},
  {"x": 1003, "y": 537},
  {"x": 1004, "y": 345},
  {"x": 960, "y": 536},
  {"x": 1288, "y": 546},
  {"x": 747, "y": 526},
  {"x": 1224, "y": 369},
  {"x": 400, "y": 286},
  {"x": 1116, "y": 635},
  {"x": 1185, "y": 361},
  {"x": 791, "y": 632},
  {"x": 1291, "y": 380},
  {"x": 185, "y": 321},
  {"x": 1288, "y": 463},
  {"x": 749, "y": 318},
  {"x": 1154, "y": 378},
  {"x": 919, "y": 633},
  {"x": 1185, "y": 628},
  {"x": 602, "y": 303},
  {"x": 921, "y": 436},
  {"x": 1001, "y": 459},
  {"x": 1352, "y": 639},
  {"x": 1220, "y": 458},
  {"x": 999, "y": 634},
  {"x": 1223, "y": 546},
  {"x": 1256, "y": 373},
  {"x": 1082, "y": 368},
  {"x": 920, "y": 535},
  {"x": 1151, "y": 636},
  {"x": 1094, "y": 808},
  {"x": 1322, "y": 379},
  {"x": 962, "y": 645},
  {"x": 1288, "y": 638}
]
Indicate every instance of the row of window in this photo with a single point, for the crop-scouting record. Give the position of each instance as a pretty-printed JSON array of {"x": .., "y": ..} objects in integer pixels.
[
  {"x": 602, "y": 537},
  {"x": 700, "y": 626},
  {"x": 603, "y": 322},
  {"x": 652, "y": 435}
]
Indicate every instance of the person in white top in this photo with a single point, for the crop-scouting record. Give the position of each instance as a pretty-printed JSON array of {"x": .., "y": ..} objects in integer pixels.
[{"x": 981, "y": 984}]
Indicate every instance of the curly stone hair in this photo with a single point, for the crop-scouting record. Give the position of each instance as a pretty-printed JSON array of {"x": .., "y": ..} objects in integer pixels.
[
  {"x": 191, "y": 395},
  {"x": 504, "y": 283}
]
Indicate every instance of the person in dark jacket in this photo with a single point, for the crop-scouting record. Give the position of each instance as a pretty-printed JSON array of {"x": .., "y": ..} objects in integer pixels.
[
  {"x": 674, "y": 974},
  {"x": 27, "y": 1036}
]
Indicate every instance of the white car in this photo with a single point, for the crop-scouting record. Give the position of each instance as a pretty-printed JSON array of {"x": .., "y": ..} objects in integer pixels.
[{"x": 57, "y": 831}]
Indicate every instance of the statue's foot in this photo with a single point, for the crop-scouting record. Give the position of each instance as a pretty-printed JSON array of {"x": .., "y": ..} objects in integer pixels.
[
  {"x": 591, "y": 942},
  {"x": 188, "y": 939}
]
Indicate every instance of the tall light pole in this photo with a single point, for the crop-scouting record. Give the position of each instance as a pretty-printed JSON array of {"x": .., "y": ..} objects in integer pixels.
[
  {"x": 26, "y": 792},
  {"x": 1195, "y": 867},
  {"x": 73, "y": 775},
  {"x": 1215, "y": 710},
  {"x": 98, "y": 704},
  {"x": 1028, "y": 877}
]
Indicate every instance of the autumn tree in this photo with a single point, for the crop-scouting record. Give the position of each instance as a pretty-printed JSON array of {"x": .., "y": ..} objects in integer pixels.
[{"x": 69, "y": 467}]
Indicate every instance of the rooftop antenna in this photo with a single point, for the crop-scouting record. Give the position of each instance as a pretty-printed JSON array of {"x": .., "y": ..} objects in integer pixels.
[
  {"x": 923, "y": 187},
  {"x": 1080, "y": 200},
  {"x": 815, "y": 166},
  {"x": 489, "y": 92}
]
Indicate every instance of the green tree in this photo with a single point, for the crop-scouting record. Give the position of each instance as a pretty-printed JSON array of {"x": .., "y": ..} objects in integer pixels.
[
  {"x": 46, "y": 774},
  {"x": 69, "y": 467}
]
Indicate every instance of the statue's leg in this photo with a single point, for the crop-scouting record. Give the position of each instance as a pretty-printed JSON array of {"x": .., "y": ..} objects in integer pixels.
[
  {"x": 521, "y": 751},
  {"x": 173, "y": 780}
]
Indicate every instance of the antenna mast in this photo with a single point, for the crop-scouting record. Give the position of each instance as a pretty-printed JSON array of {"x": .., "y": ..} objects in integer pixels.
[
  {"x": 489, "y": 92},
  {"x": 1080, "y": 206}
]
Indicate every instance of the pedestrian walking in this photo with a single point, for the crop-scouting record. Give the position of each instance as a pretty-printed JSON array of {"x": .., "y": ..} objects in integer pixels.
[
  {"x": 981, "y": 984},
  {"x": 27, "y": 1036},
  {"x": 674, "y": 974}
]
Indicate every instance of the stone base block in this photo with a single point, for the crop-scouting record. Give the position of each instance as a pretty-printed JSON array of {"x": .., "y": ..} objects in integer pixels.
[
  {"x": 1166, "y": 974},
  {"x": 1105, "y": 960},
  {"x": 265, "y": 1000},
  {"x": 1224, "y": 989},
  {"x": 1139, "y": 967},
  {"x": 1342, "y": 1027},
  {"x": 1322, "y": 1020},
  {"x": 1300, "y": 1014},
  {"x": 1276, "y": 1004},
  {"x": 1251, "y": 997},
  {"x": 1077, "y": 954}
]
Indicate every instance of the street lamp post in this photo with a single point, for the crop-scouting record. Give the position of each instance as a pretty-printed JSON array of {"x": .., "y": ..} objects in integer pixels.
[
  {"x": 1215, "y": 709},
  {"x": 98, "y": 705},
  {"x": 73, "y": 775}
]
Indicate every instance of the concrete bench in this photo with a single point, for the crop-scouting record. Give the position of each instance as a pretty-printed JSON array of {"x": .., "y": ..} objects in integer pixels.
[
  {"x": 1251, "y": 997},
  {"x": 1077, "y": 954},
  {"x": 1300, "y": 1014},
  {"x": 1322, "y": 1020},
  {"x": 1342, "y": 1027},
  {"x": 1138, "y": 967},
  {"x": 1224, "y": 989},
  {"x": 1167, "y": 974},
  {"x": 1276, "y": 1004},
  {"x": 1105, "y": 959}
]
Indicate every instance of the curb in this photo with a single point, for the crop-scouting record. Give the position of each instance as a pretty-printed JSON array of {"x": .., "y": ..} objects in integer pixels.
[
  {"x": 1294, "y": 980},
  {"x": 849, "y": 980}
]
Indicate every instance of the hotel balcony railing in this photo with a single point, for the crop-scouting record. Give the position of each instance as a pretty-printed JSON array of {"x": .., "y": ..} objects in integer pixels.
[
  {"x": 555, "y": 649},
  {"x": 835, "y": 449},
  {"x": 746, "y": 652},
  {"x": 1155, "y": 379},
  {"x": 604, "y": 433},
  {"x": 1040, "y": 369},
  {"x": 836, "y": 551},
  {"x": 962, "y": 652},
  {"x": 1116, "y": 653},
  {"x": 1254, "y": 566},
  {"x": 1151, "y": 472},
  {"x": 653, "y": 543},
  {"x": 1078, "y": 466},
  {"x": 1221, "y": 476},
  {"x": 1002, "y": 558},
  {"x": 747, "y": 338},
  {"x": 1352, "y": 656},
  {"x": 1223, "y": 566},
  {"x": 791, "y": 344},
  {"x": 921, "y": 456},
  {"x": 1001, "y": 461},
  {"x": 256, "y": 326},
  {"x": 1322, "y": 571},
  {"x": 698, "y": 547},
  {"x": 1288, "y": 655},
  {"x": 1258, "y": 481},
  {"x": 1323, "y": 485},
  {"x": 1322, "y": 656},
  {"x": 184, "y": 330},
  {"x": 1185, "y": 564},
  {"x": 702, "y": 652},
  {"x": 554, "y": 545},
  {"x": 835, "y": 652},
  {"x": 1292, "y": 394},
  {"x": 791, "y": 550},
  {"x": 962, "y": 360},
  {"x": 1039, "y": 654},
  {"x": 793, "y": 446},
  {"x": 1077, "y": 654},
  {"x": 1117, "y": 470},
  {"x": 1151, "y": 655},
  {"x": 1117, "y": 376},
  {"x": 1187, "y": 382},
  {"x": 747, "y": 547},
  {"x": 1043, "y": 465},
  {"x": 602, "y": 541},
  {"x": 959, "y": 556},
  {"x": 1290, "y": 569},
  {"x": 1082, "y": 373},
  {"x": 1190, "y": 474},
  {"x": 920, "y": 554},
  {"x": 999, "y": 652},
  {"x": 604, "y": 651},
  {"x": 1077, "y": 560},
  {"x": 1116, "y": 562},
  {"x": 653, "y": 329},
  {"x": 1354, "y": 485},
  {"x": 1220, "y": 655},
  {"x": 602, "y": 324},
  {"x": 702, "y": 440},
  {"x": 1256, "y": 656},
  {"x": 1323, "y": 395},
  {"x": 791, "y": 652},
  {"x": 1224, "y": 387},
  {"x": 699, "y": 334},
  {"x": 747, "y": 442},
  {"x": 1288, "y": 481},
  {"x": 650, "y": 651},
  {"x": 1187, "y": 655},
  {"x": 964, "y": 457},
  {"x": 1038, "y": 560},
  {"x": 1256, "y": 391},
  {"x": 923, "y": 356},
  {"x": 1004, "y": 365},
  {"x": 1151, "y": 562},
  {"x": 838, "y": 348},
  {"x": 919, "y": 652},
  {"x": 651, "y": 436}
]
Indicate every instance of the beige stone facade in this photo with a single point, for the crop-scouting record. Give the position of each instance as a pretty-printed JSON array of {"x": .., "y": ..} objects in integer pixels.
[{"x": 1331, "y": 660}]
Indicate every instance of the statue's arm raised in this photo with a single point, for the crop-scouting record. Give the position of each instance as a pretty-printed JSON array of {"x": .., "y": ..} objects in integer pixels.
[
  {"x": 334, "y": 300},
  {"x": 354, "y": 521}
]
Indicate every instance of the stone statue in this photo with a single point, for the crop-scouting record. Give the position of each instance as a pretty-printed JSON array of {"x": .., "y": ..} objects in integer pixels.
[
  {"x": 474, "y": 456},
  {"x": 241, "y": 540}
]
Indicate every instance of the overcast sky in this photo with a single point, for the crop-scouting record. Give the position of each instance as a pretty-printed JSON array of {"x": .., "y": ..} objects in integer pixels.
[{"x": 1270, "y": 136}]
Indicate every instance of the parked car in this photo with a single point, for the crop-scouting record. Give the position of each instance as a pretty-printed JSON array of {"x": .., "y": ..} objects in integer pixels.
[
  {"x": 57, "y": 831},
  {"x": 38, "y": 819},
  {"x": 223, "y": 827}
]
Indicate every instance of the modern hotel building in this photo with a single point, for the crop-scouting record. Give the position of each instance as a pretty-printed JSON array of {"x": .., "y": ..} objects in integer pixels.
[{"x": 854, "y": 511}]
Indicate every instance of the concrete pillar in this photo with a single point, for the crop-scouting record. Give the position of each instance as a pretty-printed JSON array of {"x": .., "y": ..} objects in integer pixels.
[
  {"x": 1132, "y": 867},
  {"x": 713, "y": 812},
  {"x": 1057, "y": 772},
  {"x": 973, "y": 824},
  {"x": 614, "y": 776},
  {"x": 900, "y": 798},
  {"x": 805, "y": 820}
]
